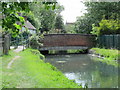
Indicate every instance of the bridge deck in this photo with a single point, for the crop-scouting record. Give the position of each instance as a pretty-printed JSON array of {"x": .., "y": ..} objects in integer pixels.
[{"x": 62, "y": 48}]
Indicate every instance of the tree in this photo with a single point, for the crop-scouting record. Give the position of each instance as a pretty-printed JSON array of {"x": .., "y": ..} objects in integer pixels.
[
  {"x": 59, "y": 25},
  {"x": 96, "y": 11},
  {"x": 42, "y": 17},
  {"x": 106, "y": 27},
  {"x": 47, "y": 21},
  {"x": 69, "y": 28},
  {"x": 83, "y": 24},
  {"x": 12, "y": 21}
]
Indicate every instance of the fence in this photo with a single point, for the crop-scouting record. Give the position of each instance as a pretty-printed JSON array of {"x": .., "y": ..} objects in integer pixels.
[
  {"x": 109, "y": 41},
  {"x": 19, "y": 41},
  {"x": 6, "y": 42},
  {"x": 1, "y": 46}
]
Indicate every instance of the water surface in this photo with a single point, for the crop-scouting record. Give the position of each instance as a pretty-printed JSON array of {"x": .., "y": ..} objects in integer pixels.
[{"x": 84, "y": 70}]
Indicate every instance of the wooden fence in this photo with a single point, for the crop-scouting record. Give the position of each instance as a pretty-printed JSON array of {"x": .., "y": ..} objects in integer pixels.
[
  {"x": 109, "y": 41},
  {"x": 1, "y": 46}
]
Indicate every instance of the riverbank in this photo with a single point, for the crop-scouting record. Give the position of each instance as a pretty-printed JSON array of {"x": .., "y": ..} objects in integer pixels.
[
  {"x": 30, "y": 71},
  {"x": 109, "y": 56}
]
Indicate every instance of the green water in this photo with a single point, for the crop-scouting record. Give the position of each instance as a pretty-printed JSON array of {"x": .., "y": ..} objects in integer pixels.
[{"x": 84, "y": 70}]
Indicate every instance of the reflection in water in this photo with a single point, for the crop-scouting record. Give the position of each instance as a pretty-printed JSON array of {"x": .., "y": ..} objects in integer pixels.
[{"x": 84, "y": 70}]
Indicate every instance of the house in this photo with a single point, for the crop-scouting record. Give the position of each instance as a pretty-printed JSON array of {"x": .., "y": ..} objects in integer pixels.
[{"x": 29, "y": 26}]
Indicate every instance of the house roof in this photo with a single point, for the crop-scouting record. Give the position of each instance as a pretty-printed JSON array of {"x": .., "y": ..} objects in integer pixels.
[{"x": 29, "y": 25}]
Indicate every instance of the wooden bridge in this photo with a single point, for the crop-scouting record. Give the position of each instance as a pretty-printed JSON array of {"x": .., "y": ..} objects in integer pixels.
[{"x": 67, "y": 41}]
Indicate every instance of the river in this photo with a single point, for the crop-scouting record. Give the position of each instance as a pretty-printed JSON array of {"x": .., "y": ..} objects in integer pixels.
[{"x": 85, "y": 71}]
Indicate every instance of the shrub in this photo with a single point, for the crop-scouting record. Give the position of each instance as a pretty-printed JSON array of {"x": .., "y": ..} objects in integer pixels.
[
  {"x": 35, "y": 42},
  {"x": 106, "y": 27}
]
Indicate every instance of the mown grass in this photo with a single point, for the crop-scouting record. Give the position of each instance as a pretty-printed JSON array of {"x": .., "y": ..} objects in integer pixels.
[
  {"x": 110, "y": 55},
  {"x": 3, "y": 62},
  {"x": 29, "y": 71}
]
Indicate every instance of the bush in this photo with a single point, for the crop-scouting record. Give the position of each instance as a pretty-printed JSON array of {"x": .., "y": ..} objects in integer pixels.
[
  {"x": 35, "y": 42},
  {"x": 106, "y": 27}
]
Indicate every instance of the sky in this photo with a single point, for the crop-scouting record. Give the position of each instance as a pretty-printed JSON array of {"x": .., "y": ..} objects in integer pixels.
[{"x": 72, "y": 9}]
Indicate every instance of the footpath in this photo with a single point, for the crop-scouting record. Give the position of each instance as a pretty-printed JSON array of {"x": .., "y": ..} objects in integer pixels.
[{"x": 20, "y": 48}]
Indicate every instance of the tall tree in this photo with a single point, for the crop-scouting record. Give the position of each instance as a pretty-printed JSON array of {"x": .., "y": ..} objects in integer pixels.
[
  {"x": 96, "y": 11},
  {"x": 59, "y": 25},
  {"x": 83, "y": 24},
  {"x": 44, "y": 18},
  {"x": 10, "y": 11}
]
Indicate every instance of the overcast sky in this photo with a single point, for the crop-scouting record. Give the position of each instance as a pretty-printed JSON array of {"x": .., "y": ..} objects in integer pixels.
[{"x": 73, "y": 8}]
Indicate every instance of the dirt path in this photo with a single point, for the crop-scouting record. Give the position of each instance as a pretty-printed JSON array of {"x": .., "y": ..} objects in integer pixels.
[
  {"x": 10, "y": 63},
  {"x": 20, "y": 48}
]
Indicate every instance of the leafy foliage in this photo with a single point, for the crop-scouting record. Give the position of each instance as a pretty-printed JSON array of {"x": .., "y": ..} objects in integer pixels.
[
  {"x": 12, "y": 21},
  {"x": 96, "y": 11},
  {"x": 59, "y": 23},
  {"x": 106, "y": 27},
  {"x": 69, "y": 28},
  {"x": 34, "y": 42},
  {"x": 42, "y": 18},
  {"x": 41, "y": 15},
  {"x": 83, "y": 24}
]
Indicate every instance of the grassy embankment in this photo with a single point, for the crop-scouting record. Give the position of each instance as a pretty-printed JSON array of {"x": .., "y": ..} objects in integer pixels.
[
  {"x": 110, "y": 55},
  {"x": 29, "y": 71}
]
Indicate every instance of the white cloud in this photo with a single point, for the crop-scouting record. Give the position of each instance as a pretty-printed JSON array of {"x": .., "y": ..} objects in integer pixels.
[{"x": 73, "y": 8}]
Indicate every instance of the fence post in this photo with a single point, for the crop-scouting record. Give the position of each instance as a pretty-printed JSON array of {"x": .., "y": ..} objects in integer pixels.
[
  {"x": 1, "y": 46},
  {"x": 6, "y": 45},
  {"x": 113, "y": 41}
]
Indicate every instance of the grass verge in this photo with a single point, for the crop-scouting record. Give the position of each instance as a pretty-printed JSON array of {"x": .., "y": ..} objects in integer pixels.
[
  {"x": 29, "y": 71},
  {"x": 110, "y": 55}
]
